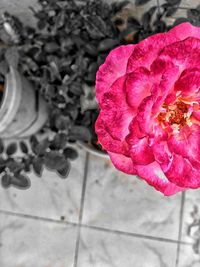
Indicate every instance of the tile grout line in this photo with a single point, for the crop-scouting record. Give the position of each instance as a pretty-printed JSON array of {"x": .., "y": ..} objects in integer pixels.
[
  {"x": 97, "y": 228},
  {"x": 180, "y": 228},
  {"x": 119, "y": 232},
  {"x": 35, "y": 217},
  {"x": 81, "y": 210},
  {"x": 84, "y": 188}
]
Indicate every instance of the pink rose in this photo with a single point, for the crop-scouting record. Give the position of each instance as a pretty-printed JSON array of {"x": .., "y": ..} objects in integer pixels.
[{"x": 149, "y": 97}]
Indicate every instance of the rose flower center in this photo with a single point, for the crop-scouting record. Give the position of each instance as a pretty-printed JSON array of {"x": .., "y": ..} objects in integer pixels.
[{"x": 175, "y": 115}]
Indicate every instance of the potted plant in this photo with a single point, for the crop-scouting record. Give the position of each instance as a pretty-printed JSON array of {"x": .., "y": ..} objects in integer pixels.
[
  {"x": 23, "y": 112},
  {"x": 54, "y": 75},
  {"x": 60, "y": 58}
]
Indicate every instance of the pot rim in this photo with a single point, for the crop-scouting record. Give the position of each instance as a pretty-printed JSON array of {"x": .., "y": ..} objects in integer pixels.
[{"x": 92, "y": 150}]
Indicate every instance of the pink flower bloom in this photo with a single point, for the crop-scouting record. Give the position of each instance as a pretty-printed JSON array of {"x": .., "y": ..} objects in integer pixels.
[{"x": 149, "y": 99}]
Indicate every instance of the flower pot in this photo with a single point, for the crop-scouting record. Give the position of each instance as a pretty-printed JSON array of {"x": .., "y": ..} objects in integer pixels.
[
  {"x": 22, "y": 111},
  {"x": 89, "y": 147}
]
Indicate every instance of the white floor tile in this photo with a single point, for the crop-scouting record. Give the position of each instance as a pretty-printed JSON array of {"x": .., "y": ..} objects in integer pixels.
[{"x": 123, "y": 202}]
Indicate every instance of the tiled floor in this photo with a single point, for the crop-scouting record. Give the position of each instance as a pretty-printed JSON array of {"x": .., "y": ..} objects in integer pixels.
[
  {"x": 98, "y": 217},
  {"x": 28, "y": 242},
  {"x": 50, "y": 196},
  {"x": 130, "y": 196}
]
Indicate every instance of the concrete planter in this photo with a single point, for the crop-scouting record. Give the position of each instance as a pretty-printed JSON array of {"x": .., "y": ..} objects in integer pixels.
[{"x": 22, "y": 112}]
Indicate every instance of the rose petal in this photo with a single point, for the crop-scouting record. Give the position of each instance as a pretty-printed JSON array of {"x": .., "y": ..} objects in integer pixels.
[
  {"x": 188, "y": 83},
  {"x": 115, "y": 114},
  {"x": 162, "y": 154},
  {"x": 185, "y": 30},
  {"x": 150, "y": 107},
  {"x": 122, "y": 163},
  {"x": 107, "y": 141},
  {"x": 138, "y": 85},
  {"x": 151, "y": 173},
  {"x": 113, "y": 68},
  {"x": 155, "y": 177},
  {"x": 185, "y": 54},
  {"x": 182, "y": 173},
  {"x": 158, "y": 134},
  {"x": 146, "y": 51},
  {"x": 165, "y": 85},
  {"x": 187, "y": 144},
  {"x": 196, "y": 115},
  {"x": 140, "y": 151}
]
